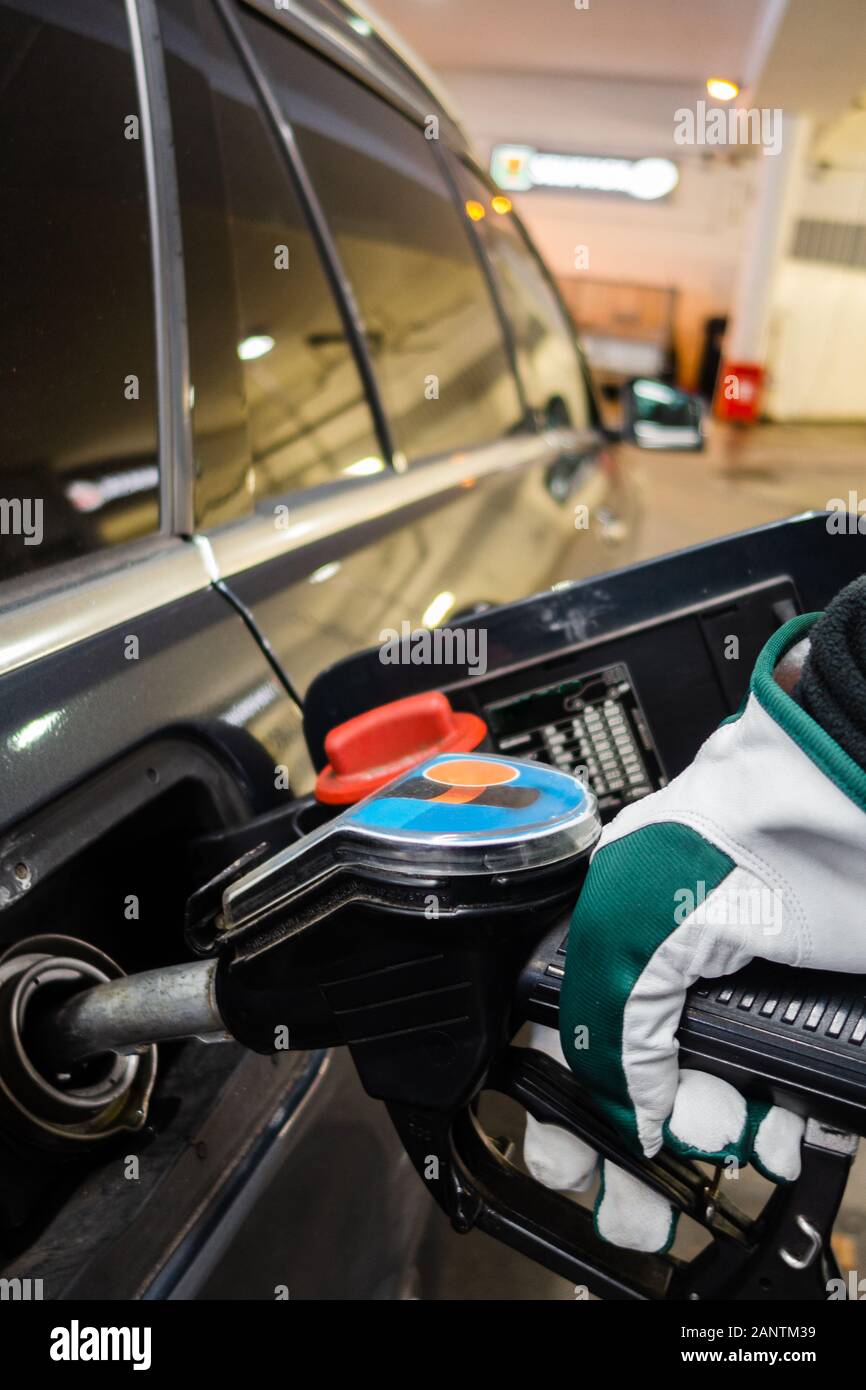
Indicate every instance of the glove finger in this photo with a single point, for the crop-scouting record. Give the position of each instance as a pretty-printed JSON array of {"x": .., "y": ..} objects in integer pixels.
[
  {"x": 632, "y": 1215},
  {"x": 554, "y": 1157},
  {"x": 778, "y": 1135},
  {"x": 709, "y": 1119}
]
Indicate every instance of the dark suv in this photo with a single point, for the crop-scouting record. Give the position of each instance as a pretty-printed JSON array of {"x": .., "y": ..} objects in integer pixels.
[{"x": 280, "y": 370}]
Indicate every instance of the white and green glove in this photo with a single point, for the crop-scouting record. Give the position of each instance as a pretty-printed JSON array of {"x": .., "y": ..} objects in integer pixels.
[
  {"x": 756, "y": 850},
  {"x": 709, "y": 1117}
]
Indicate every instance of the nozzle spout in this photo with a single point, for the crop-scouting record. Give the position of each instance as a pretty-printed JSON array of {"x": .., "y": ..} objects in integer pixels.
[{"x": 125, "y": 1015}]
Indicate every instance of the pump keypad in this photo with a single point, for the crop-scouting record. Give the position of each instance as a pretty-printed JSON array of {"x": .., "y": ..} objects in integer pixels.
[{"x": 592, "y": 726}]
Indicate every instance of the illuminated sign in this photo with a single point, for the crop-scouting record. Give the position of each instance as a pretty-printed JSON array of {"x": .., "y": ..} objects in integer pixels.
[{"x": 520, "y": 167}]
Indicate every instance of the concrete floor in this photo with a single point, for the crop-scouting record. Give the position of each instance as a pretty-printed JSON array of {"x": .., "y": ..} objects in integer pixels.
[{"x": 744, "y": 478}]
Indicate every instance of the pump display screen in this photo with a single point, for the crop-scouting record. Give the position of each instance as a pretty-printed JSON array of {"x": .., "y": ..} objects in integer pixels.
[{"x": 592, "y": 721}]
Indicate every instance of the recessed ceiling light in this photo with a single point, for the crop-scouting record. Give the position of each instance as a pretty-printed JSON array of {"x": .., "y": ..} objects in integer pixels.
[{"x": 722, "y": 88}]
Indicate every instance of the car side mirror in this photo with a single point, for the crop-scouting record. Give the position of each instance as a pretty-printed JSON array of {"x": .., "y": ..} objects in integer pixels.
[{"x": 657, "y": 416}]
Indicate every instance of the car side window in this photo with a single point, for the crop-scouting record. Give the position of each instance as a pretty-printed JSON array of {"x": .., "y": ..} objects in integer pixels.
[
  {"x": 78, "y": 414},
  {"x": 548, "y": 363},
  {"x": 277, "y": 400},
  {"x": 434, "y": 334}
]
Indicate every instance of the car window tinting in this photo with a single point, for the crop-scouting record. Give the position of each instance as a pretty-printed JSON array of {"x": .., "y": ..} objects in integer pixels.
[
  {"x": 277, "y": 401},
  {"x": 78, "y": 465},
  {"x": 434, "y": 335},
  {"x": 547, "y": 361}
]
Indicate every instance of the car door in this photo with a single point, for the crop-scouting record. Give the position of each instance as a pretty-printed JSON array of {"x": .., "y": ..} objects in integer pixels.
[
  {"x": 140, "y": 718},
  {"x": 366, "y": 453}
]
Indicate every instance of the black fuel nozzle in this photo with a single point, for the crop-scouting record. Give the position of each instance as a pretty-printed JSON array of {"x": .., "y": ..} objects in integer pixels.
[{"x": 399, "y": 927}]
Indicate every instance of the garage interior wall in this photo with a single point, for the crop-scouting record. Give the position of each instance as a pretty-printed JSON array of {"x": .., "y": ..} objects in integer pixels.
[
  {"x": 689, "y": 242},
  {"x": 692, "y": 241},
  {"x": 817, "y": 346}
]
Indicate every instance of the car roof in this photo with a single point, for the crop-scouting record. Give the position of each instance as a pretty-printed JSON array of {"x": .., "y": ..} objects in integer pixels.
[{"x": 378, "y": 58}]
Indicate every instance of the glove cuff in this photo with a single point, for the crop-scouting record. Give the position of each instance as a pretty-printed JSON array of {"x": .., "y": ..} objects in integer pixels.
[{"x": 815, "y": 742}]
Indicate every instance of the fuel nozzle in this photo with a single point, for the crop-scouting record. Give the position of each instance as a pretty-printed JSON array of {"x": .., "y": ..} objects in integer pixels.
[
  {"x": 404, "y": 917},
  {"x": 397, "y": 928}
]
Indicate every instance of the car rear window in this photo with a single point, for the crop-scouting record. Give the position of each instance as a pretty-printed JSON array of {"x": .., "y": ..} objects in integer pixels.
[
  {"x": 405, "y": 243},
  {"x": 544, "y": 341}
]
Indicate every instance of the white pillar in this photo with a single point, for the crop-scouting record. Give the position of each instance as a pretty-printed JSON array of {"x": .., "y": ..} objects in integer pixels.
[{"x": 767, "y": 241}]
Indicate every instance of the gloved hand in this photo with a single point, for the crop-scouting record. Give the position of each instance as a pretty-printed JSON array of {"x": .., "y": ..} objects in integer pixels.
[
  {"x": 755, "y": 850},
  {"x": 707, "y": 1113}
]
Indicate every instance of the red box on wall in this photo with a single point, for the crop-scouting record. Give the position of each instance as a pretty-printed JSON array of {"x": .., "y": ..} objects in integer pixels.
[{"x": 738, "y": 393}]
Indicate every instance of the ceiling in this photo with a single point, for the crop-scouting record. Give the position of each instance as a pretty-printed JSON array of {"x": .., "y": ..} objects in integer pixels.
[
  {"x": 818, "y": 60},
  {"x": 648, "y": 40},
  {"x": 801, "y": 55}
]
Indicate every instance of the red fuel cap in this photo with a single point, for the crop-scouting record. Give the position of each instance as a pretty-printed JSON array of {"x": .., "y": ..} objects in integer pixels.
[{"x": 371, "y": 749}]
